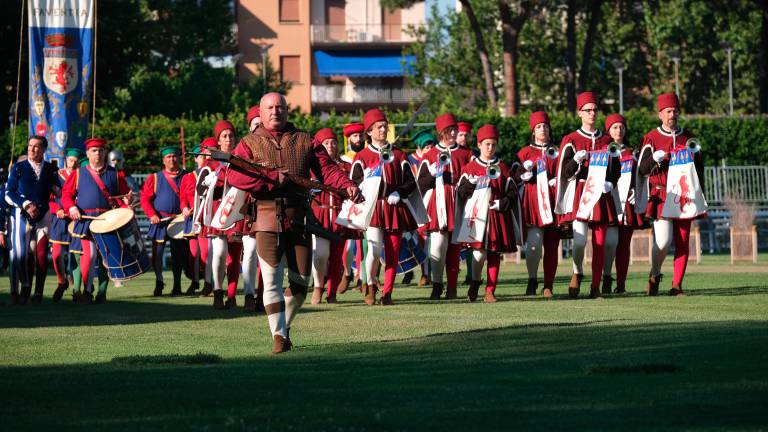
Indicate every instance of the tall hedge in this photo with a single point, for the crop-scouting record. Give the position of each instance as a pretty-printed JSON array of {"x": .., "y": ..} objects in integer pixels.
[{"x": 732, "y": 140}]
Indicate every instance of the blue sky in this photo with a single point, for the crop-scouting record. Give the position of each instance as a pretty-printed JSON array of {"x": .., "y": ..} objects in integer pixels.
[{"x": 442, "y": 5}]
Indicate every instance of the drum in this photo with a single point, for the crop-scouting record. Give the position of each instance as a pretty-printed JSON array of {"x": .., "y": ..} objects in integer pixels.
[
  {"x": 175, "y": 228},
  {"x": 411, "y": 255},
  {"x": 119, "y": 241}
]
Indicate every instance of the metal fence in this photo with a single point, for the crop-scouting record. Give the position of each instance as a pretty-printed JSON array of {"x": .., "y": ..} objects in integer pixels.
[
  {"x": 743, "y": 183},
  {"x": 369, "y": 94}
]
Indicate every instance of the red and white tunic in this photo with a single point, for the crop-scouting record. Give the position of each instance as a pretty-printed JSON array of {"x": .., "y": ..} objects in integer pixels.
[
  {"x": 530, "y": 200},
  {"x": 460, "y": 157},
  {"x": 326, "y": 206},
  {"x": 499, "y": 232},
  {"x": 661, "y": 139},
  {"x": 630, "y": 218},
  {"x": 396, "y": 176},
  {"x": 604, "y": 211},
  {"x": 236, "y": 232}
]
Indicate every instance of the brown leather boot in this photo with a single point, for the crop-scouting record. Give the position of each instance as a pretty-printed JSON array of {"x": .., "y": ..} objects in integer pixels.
[
  {"x": 386, "y": 299},
  {"x": 250, "y": 304},
  {"x": 207, "y": 289},
  {"x": 652, "y": 289},
  {"x": 59, "y": 293},
  {"x": 594, "y": 292},
  {"x": 451, "y": 293},
  {"x": 317, "y": 296},
  {"x": 85, "y": 298},
  {"x": 607, "y": 284},
  {"x": 218, "y": 300},
  {"x": 547, "y": 291},
  {"x": 280, "y": 344},
  {"x": 231, "y": 303},
  {"x": 474, "y": 287},
  {"x": 574, "y": 287},
  {"x": 677, "y": 291},
  {"x": 370, "y": 294},
  {"x": 344, "y": 284},
  {"x": 533, "y": 286},
  {"x": 437, "y": 291},
  {"x": 425, "y": 281},
  {"x": 489, "y": 297}
]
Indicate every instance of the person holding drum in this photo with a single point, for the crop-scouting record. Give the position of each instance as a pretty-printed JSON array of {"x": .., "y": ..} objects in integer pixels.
[
  {"x": 161, "y": 202},
  {"x": 28, "y": 190},
  {"x": 656, "y": 165},
  {"x": 91, "y": 190},
  {"x": 328, "y": 255},
  {"x": 486, "y": 184},
  {"x": 64, "y": 267},
  {"x": 437, "y": 177},
  {"x": 584, "y": 192},
  {"x": 537, "y": 171},
  {"x": 280, "y": 210},
  {"x": 188, "y": 201}
]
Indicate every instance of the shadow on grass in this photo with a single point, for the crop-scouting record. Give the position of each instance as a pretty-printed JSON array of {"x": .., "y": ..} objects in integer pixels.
[
  {"x": 703, "y": 376},
  {"x": 116, "y": 312}
]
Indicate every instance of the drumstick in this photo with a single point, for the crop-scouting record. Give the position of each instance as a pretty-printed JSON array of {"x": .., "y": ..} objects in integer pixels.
[
  {"x": 90, "y": 217},
  {"x": 167, "y": 218}
]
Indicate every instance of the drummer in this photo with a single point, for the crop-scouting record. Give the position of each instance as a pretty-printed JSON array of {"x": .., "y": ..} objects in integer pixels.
[
  {"x": 160, "y": 200},
  {"x": 64, "y": 264},
  {"x": 90, "y": 191}
]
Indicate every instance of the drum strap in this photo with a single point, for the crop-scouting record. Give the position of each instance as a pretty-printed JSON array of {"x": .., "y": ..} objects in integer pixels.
[
  {"x": 99, "y": 183},
  {"x": 171, "y": 182}
]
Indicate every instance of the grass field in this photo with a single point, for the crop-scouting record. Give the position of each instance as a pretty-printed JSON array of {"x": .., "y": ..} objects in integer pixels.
[{"x": 629, "y": 363}]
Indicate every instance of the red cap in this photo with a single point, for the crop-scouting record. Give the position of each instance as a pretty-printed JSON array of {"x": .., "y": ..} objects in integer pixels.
[
  {"x": 372, "y": 116},
  {"x": 353, "y": 128},
  {"x": 221, "y": 126},
  {"x": 667, "y": 100},
  {"x": 486, "y": 132},
  {"x": 209, "y": 142},
  {"x": 585, "y": 98},
  {"x": 465, "y": 127},
  {"x": 443, "y": 121},
  {"x": 536, "y": 118},
  {"x": 324, "y": 134},
  {"x": 614, "y": 118},
  {"x": 253, "y": 112},
  {"x": 95, "y": 142}
]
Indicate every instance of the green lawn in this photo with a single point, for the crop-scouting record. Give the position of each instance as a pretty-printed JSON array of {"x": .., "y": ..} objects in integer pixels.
[{"x": 630, "y": 362}]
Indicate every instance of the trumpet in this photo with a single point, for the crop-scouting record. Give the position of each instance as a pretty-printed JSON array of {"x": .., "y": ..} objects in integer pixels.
[
  {"x": 694, "y": 145},
  {"x": 493, "y": 171},
  {"x": 552, "y": 152},
  {"x": 444, "y": 157},
  {"x": 613, "y": 150},
  {"x": 386, "y": 156}
]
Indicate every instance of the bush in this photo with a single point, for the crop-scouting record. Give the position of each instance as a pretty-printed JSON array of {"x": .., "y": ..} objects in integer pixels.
[{"x": 733, "y": 140}]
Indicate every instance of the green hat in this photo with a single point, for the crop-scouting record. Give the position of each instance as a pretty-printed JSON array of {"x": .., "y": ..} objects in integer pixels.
[
  {"x": 84, "y": 162},
  {"x": 424, "y": 137},
  {"x": 74, "y": 152},
  {"x": 196, "y": 149},
  {"x": 165, "y": 151}
]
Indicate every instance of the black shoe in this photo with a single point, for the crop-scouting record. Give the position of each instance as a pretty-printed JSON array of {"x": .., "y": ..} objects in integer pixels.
[
  {"x": 250, "y": 304},
  {"x": 607, "y": 284},
  {"x": 533, "y": 286},
  {"x": 218, "y": 300},
  {"x": 24, "y": 296},
  {"x": 85, "y": 298},
  {"x": 408, "y": 278},
  {"x": 36, "y": 299},
  {"x": 207, "y": 290},
  {"x": 194, "y": 286},
  {"x": 437, "y": 291},
  {"x": 176, "y": 291},
  {"x": 159, "y": 285},
  {"x": 59, "y": 293},
  {"x": 101, "y": 298}
]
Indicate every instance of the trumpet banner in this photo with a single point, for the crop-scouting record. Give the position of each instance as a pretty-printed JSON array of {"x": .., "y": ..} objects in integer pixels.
[
  {"x": 685, "y": 199},
  {"x": 593, "y": 187},
  {"x": 358, "y": 215},
  {"x": 60, "y": 72},
  {"x": 542, "y": 190},
  {"x": 471, "y": 228},
  {"x": 229, "y": 211}
]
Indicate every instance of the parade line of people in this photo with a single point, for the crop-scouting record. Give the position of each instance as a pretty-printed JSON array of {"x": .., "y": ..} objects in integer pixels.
[{"x": 280, "y": 200}]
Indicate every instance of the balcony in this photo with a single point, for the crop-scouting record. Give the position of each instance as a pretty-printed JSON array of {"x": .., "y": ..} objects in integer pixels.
[
  {"x": 362, "y": 34},
  {"x": 338, "y": 94}
]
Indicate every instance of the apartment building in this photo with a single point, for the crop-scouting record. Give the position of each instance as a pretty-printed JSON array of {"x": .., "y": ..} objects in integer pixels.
[{"x": 337, "y": 54}]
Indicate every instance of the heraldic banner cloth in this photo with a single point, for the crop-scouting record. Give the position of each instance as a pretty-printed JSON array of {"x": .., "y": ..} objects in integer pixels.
[{"x": 60, "y": 72}]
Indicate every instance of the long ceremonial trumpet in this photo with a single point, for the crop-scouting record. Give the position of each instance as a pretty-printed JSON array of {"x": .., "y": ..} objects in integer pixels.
[
  {"x": 552, "y": 152},
  {"x": 613, "y": 150},
  {"x": 493, "y": 171},
  {"x": 444, "y": 157},
  {"x": 694, "y": 145},
  {"x": 386, "y": 156}
]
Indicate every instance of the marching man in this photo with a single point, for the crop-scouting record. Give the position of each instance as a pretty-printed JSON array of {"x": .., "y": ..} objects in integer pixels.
[
  {"x": 355, "y": 142},
  {"x": 28, "y": 190},
  {"x": 586, "y": 177},
  {"x": 189, "y": 201},
  {"x": 489, "y": 218},
  {"x": 437, "y": 177},
  {"x": 671, "y": 175},
  {"x": 161, "y": 201},
  {"x": 64, "y": 266}
]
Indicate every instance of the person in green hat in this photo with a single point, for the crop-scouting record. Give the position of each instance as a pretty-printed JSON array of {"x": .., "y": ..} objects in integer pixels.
[
  {"x": 424, "y": 139},
  {"x": 161, "y": 201},
  {"x": 64, "y": 263}
]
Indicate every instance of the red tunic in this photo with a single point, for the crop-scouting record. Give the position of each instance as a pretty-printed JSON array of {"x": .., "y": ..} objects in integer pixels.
[
  {"x": 460, "y": 157},
  {"x": 236, "y": 232},
  {"x": 187, "y": 195},
  {"x": 660, "y": 139},
  {"x": 603, "y": 211},
  {"x": 396, "y": 176},
  {"x": 326, "y": 206},
  {"x": 530, "y": 200},
  {"x": 499, "y": 232}
]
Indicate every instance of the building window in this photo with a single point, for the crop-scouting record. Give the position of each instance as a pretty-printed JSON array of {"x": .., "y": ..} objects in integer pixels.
[
  {"x": 290, "y": 69},
  {"x": 289, "y": 10}
]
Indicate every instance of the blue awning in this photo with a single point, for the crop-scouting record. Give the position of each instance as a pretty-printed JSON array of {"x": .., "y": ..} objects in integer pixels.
[{"x": 363, "y": 63}]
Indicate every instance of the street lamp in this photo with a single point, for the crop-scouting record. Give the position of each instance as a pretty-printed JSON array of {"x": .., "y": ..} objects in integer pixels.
[
  {"x": 674, "y": 55},
  {"x": 619, "y": 65},
  {"x": 729, "y": 49},
  {"x": 264, "y": 49}
]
